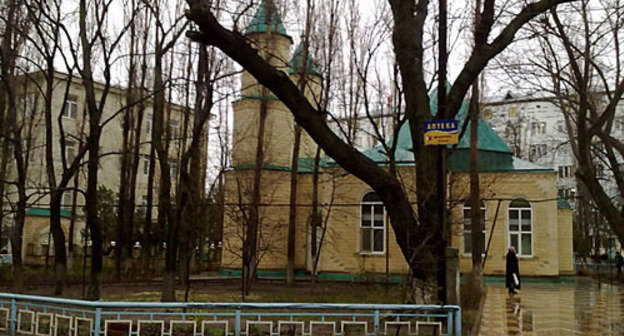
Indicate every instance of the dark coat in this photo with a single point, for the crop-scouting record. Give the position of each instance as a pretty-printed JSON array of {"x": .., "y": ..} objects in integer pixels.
[{"x": 512, "y": 267}]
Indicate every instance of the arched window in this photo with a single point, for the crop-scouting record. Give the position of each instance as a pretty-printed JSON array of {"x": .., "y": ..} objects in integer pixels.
[
  {"x": 372, "y": 224},
  {"x": 468, "y": 228},
  {"x": 521, "y": 227}
]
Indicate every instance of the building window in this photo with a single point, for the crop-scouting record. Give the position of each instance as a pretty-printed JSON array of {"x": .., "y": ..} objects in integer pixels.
[
  {"x": 174, "y": 129},
  {"x": 599, "y": 169},
  {"x": 67, "y": 199},
  {"x": 487, "y": 114},
  {"x": 144, "y": 203},
  {"x": 146, "y": 166},
  {"x": 70, "y": 150},
  {"x": 513, "y": 112},
  {"x": 173, "y": 169},
  {"x": 521, "y": 227},
  {"x": 372, "y": 224},
  {"x": 567, "y": 193},
  {"x": 71, "y": 107},
  {"x": 560, "y": 126},
  {"x": 565, "y": 171},
  {"x": 26, "y": 104},
  {"x": 538, "y": 128},
  {"x": 149, "y": 120},
  {"x": 468, "y": 228},
  {"x": 537, "y": 151}
]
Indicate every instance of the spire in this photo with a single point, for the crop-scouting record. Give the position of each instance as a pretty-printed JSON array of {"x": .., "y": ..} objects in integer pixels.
[
  {"x": 266, "y": 18},
  {"x": 296, "y": 63}
]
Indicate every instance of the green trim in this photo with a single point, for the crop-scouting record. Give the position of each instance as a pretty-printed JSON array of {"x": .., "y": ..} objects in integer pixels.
[
  {"x": 45, "y": 212},
  {"x": 256, "y": 97},
  {"x": 237, "y": 273},
  {"x": 305, "y": 166},
  {"x": 266, "y": 167},
  {"x": 303, "y": 275},
  {"x": 379, "y": 278}
]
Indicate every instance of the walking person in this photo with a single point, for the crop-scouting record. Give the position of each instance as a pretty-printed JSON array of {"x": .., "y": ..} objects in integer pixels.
[
  {"x": 619, "y": 262},
  {"x": 512, "y": 276}
]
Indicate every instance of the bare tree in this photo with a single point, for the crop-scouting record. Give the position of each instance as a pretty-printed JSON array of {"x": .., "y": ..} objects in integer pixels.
[
  {"x": 17, "y": 133},
  {"x": 578, "y": 61},
  {"x": 95, "y": 99}
]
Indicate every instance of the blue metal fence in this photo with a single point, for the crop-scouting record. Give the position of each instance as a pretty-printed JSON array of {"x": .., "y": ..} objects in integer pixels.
[{"x": 37, "y": 315}]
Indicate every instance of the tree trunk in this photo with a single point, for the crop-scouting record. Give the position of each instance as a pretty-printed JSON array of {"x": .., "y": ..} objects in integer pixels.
[
  {"x": 93, "y": 146},
  {"x": 91, "y": 199},
  {"x": 315, "y": 216},
  {"x": 165, "y": 216},
  {"x": 292, "y": 219},
  {"x": 72, "y": 219},
  {"x": 477, "y": 281},
  {"x": 60, "y": 254},
  {"x": 148, "y": 247},
  {"x": 18, "y": 280},
  {"x": 56, "y": 194}
]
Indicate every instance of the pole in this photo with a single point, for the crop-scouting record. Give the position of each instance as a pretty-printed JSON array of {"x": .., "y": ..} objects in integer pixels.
[
  {"x": 443, "y": 231},
  {"x": 487, "y": 248}
]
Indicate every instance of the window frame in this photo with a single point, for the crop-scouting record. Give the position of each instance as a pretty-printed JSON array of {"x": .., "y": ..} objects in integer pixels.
[
  {"x": 520, "y": 232},
  {"x": 145, "y": 166},
  {"x": 67, "y": 203},
  {"x": 372, "y": 228},
  {"x": 173, "y": 163},
  {"x": 71, "y": 150},
  {"x": 68, "y": 112},
  {"x": 174, "y": 130},
  {"x": 149, "y": 123},
  {"x": 464, "y": 231},
  {"x": 565, "y": 171}
]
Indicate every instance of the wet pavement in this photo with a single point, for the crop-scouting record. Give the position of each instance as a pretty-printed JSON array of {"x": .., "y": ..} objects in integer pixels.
[{"x": 580, "y": 308}]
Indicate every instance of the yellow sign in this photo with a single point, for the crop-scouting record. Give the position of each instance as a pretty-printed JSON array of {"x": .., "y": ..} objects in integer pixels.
[{"x": 441, "y": 132}]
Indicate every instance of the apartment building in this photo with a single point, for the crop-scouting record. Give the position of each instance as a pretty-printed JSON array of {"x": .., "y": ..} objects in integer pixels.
[
  {"x": 535, "y": 129},
  {"x": 71, "y": 122}
]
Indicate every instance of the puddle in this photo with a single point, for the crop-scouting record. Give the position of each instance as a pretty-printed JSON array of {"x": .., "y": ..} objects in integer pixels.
[{"x": 580, "y": 308}]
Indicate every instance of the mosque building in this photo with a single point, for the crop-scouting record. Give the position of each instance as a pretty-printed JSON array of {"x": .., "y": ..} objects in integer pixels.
[{"x": 520, "y": 200}]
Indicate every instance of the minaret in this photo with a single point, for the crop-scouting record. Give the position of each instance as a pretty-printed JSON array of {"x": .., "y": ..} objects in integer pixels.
[
  {"x": 267, "y": 34},
  {"x": 310, "y": 78}
]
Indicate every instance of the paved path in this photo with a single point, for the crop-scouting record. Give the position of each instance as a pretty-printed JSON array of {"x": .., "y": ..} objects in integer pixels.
[{"x": 579, "y": 308}]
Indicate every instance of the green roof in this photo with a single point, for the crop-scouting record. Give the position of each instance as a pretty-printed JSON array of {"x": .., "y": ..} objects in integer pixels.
[
  {"x": 45, "y": 212},
  {"x": 494, "y": 154},
  {"x": 487, "y": 139},
  {"x": 261, "y": 23},
  {"x": 296, "y": 63}
]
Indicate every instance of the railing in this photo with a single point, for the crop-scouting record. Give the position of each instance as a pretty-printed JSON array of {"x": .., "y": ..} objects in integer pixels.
[{"x": 37, "y": 315}]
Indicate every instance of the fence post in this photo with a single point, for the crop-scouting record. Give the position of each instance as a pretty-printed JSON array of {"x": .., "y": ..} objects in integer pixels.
[
  {"x": 96, "y": 325},
  {"x": 13, "y": 316},
  {"x": 458, "y": 322},
  {"x": 237, "y": 322},
  {"x": 376, "y": 323}
]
